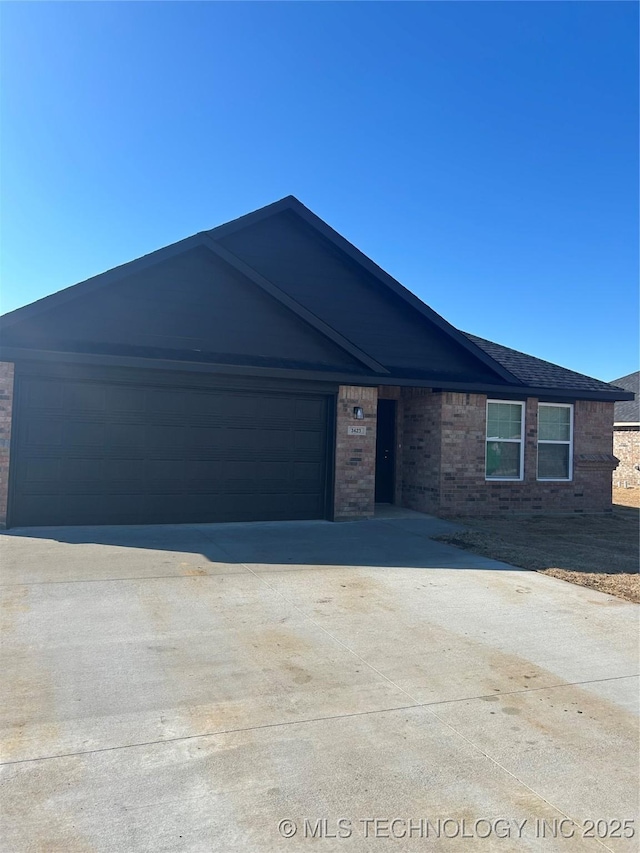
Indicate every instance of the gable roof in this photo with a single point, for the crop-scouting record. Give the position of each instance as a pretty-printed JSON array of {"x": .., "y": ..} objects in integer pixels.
[
  {"x": 537, "y": 372},
  {"x": 291, "y": 205},
  {"x": 175, "y": 308},
  {"x": 628, "y": 411}
]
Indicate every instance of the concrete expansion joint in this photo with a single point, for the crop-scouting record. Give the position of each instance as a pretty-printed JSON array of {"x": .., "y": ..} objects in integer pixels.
[{"x": 330, "y": 717}]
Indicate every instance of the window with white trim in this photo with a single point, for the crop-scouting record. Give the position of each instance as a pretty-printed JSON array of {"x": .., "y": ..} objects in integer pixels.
[
  {"x": 505, "y": 440},
  {"x": 555, "y": 441}
]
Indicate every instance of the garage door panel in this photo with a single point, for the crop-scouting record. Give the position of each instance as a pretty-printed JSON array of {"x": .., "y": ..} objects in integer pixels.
[
  {"x": 42, "y": 394},
  {"x": 83, "y": 507},
  {"x": 42, "y": 475},
  {"x": 125, "y": 476},
  {"x": 115, "y": 453},
  {"x": 242, "y": 437},
  {"x": 244, "y": 406},
  {"x": 309, "y": 441},
  {"x": 165, "y": 401},
  {"x": 165, "y": 438},
  {"x": 307, "y": 472},
  {"x": 42, "y": 433},
  {"x": 275, "y": 440},
  {"x": 85, "y": 397},
  {"x": 82, "y": 475},
  {"x": 205, "y": 440},
  {"x": 280, "y": 409},
  {"x": 84, "y": 433},
  {"x": 127, "y": 437},
  {"x": 309, "y": 410},
  {"x": 122, "y": 400},
  {"x": 204, "y": 475},
  {"x": 164, "y": 475}
]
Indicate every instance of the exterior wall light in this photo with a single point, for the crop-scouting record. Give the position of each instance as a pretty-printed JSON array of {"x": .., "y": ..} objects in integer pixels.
[{"x": 358, "y": 413}]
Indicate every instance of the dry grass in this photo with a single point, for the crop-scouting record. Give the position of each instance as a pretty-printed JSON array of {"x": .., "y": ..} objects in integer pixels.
[
  {"x": 599, "y": 551},
  {"x": 627, "y": 497}
]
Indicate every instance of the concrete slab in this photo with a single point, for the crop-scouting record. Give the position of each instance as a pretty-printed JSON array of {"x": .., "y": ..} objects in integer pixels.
[
  {"x": 554, "y": 741},
  {"x": 231, "y": 792},
  {"x": 188, "y": 687},
  {"x": 446, "y": 635},
  {"x": 47, "y": 555},
  {"x": 96, "y": 665}
]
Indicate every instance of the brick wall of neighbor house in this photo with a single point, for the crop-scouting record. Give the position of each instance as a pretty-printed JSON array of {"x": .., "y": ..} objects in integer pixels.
[
  {"x": 444, "y": 459},
  {"x": 626, "y": 446},
  {"x": 6, "y": 407},
  {"x": 355, "y": 458}
]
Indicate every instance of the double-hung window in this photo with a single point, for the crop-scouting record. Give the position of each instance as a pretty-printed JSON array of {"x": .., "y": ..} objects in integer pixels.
[
  {"x": 555, "y": 441},
  {"x": 505, "y": 440}
]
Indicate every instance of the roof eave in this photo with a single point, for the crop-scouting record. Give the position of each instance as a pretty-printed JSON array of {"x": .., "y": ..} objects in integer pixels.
[
  {"x": 89, "y": 285},
  {"x": 15, "y": 354}
]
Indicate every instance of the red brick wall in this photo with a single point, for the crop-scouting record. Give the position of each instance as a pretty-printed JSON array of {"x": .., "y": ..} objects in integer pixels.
[
  {"x": 444, "y": 459},
  {"x": 355, "y": 459},
  {"x": 421, "y": 446},
  {"x": 6, "y": 406},
  {"x": 626, "y": 446}
]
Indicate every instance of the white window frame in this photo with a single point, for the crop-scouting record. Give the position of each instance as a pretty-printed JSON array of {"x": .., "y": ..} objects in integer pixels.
[
  {"x": 569, "y": 443},
  {"x": 506, "y": 440}
]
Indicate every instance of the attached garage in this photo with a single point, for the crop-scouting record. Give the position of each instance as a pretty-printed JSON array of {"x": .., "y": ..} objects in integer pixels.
[
  {"x": 96, "y": 450},
  {"x": 236, "y": 376}
]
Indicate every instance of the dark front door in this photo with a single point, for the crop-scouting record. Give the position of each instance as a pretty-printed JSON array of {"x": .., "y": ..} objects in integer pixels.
[
  {"x": 99, "y": 452},
  {"x": 386, "y": 451}
]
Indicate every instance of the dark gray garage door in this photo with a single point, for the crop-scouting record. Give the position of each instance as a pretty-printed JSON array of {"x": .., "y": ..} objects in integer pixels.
[{"x": 95, "y": 452}]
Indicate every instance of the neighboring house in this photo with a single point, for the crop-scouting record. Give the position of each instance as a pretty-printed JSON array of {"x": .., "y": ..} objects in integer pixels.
[
  {"x": 626, "y": 434},
  {"x": 267, "y": 369}
]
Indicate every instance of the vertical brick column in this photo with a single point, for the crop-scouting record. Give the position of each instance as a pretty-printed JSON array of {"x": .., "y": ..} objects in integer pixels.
[
  {"x": 355, "y": 461},
  {"x": 531, "y": 441},
  {"x": 421, "y": 449},
  {"x": 593, "y": 458},
  {"x": 6, "y": 408},
  {"x": 462, "y": 460},
  {"x": 626, "y": 448}
]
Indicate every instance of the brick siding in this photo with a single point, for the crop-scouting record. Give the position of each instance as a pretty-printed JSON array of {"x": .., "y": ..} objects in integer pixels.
[
  {"x": 6, "y": 407},
  {"x": 421, "y": 448},
  {"x": 441, "y": 455},
  {"x": 444, "y": 459},
  {"x": 355, "y": 458},
  {"x": 626, "y": 446}
]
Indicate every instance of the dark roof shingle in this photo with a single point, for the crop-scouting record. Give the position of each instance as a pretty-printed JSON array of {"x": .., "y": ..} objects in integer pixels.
[
  {"x": 539, "y": 373},
  {"x": 628, "y": 411}
]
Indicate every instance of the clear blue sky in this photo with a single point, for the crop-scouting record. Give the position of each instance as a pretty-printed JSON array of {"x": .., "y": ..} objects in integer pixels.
[{"x": 485, "y": 154}]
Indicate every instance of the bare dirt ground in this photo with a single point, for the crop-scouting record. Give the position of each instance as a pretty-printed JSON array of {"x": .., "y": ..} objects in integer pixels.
[{"x": 599, "y": 551}]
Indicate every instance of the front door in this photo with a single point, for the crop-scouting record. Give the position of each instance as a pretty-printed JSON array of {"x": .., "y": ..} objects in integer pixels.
[{"x": 386, "y": 451}]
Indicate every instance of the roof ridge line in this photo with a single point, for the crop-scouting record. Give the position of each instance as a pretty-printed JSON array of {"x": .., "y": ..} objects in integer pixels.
[{"x": 293, "y": 204}]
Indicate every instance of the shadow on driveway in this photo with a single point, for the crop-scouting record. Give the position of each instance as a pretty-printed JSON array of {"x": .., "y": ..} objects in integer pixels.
[{"x": 383, "y": 542}]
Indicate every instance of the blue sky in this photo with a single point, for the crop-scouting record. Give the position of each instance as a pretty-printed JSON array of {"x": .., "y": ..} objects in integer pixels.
[{"x": 485, "y": 154}]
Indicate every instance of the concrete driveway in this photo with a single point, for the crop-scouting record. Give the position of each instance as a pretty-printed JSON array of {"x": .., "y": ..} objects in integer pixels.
[{"x": 189, "y": 688}]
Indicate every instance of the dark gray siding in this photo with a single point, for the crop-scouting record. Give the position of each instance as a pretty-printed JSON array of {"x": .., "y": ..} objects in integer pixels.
[
  {"x": 314, "y": 272},
  {"x": 191, "y": 307}
]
